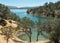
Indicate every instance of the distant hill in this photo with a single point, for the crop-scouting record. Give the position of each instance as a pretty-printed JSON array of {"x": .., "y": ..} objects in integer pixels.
[
  {"x": 27, "y": 7},
  {"x": 14, "y": 7}
]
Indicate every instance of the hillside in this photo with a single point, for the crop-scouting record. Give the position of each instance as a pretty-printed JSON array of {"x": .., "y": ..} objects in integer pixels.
[
  {"x": 15, "y": 39},
  {"x": 5, "y": 13},
  {"x": 48, "y": 9},
  {"x": 14, "y": 7},
  {"x": 8, "y": 25},
  {"x": 2, "y": 40}
]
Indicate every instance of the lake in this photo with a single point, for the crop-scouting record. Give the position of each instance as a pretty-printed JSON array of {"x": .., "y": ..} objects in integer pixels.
[{"x": 22, "y": 13}]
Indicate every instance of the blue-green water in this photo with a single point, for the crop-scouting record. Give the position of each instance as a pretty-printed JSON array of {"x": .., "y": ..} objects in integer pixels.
[{"x": 22, "y": 13}]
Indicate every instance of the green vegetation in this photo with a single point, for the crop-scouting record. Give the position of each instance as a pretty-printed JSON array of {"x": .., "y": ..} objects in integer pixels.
[
  {"x": 5, "y": 13},
  {"x": 27, "y": 22},
  {"x": 52, "y": 28},
  {"x": 40, "y": 28},
  {"x": 28, "y": 25},
  {"x": 48, "y": 9}
]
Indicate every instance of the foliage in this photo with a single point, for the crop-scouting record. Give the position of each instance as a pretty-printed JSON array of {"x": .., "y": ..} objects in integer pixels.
[
  {"x": 52, "y": 28},
  {"x": 27, "y": 22},
  {"x": 48, "y": 9},
  {"x": 17, "y": 28},
  {"x": 27, "y": 25},
  {"x": 5, "y": 13},
  {"x": 40, "y": 28}
]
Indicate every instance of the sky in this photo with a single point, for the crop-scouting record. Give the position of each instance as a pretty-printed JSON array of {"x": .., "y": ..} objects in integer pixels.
[{"x": 25, "y": 3}]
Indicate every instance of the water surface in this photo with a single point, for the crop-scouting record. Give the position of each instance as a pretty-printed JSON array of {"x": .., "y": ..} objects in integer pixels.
[{"x": 22, "y": 13}]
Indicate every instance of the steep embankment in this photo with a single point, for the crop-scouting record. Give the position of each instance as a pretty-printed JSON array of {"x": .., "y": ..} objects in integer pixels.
[
  {"x": 13, "y": 24},
  {"x": 7, "y": 18},
  {"x": 15, "y": 39}
]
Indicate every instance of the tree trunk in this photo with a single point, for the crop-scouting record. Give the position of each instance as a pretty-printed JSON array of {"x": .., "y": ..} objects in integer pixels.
[
  {"x": 30, "y": 34},
  {"x": 37, "y": 37},
  {"x": 7, "y": 40},
  {"x": 56, "y": 41},
  {"x": 30, "y": 38}
]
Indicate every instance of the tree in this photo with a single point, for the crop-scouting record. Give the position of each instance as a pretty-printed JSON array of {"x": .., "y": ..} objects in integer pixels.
[
  {"x": 52, "y": 28},
  {"x": 40, "y": 28},
  {"x": 7, "y": 32},
  {"x": 28, "y": 24}
]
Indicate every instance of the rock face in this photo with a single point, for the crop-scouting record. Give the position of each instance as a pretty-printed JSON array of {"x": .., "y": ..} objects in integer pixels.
[
  {"x": 14, "y": 39},
  {"x": 2, "y": 40},
  {"x": 6, "y": 23},
  {"x": 3, "y": 22},
  {"x": 12, "y": 23}
]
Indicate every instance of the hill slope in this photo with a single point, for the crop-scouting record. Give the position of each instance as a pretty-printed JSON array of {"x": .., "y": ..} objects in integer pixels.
[{"x": 48, "y": 9}]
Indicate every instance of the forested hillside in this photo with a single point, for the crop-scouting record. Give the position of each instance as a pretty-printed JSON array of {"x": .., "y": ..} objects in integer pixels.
[
  {"x": 5, "y": 13},
  {"x": 48, "y": 9}
]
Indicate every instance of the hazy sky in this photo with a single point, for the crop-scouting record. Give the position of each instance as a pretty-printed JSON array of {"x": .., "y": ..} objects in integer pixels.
[{"x": 24, "y": 3}]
